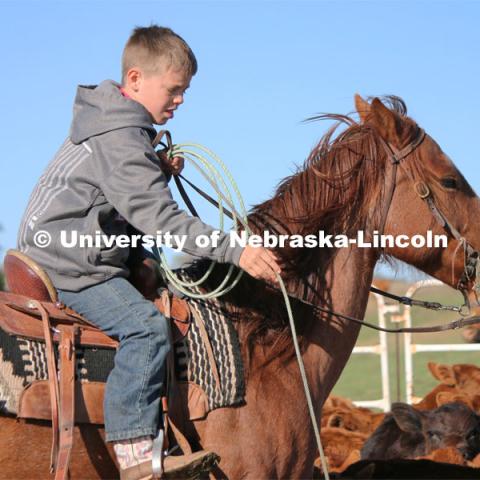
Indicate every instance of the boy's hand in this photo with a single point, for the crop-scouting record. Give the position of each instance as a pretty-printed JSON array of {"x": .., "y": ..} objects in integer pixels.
[
  {"x": 260, "y": 263},
  {"x": 171, "y": 165}
]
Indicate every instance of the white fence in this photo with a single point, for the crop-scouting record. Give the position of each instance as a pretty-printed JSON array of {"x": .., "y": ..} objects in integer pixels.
[
  {"x": 379, "y": 349},
  {"x": 404, "y": 319}
]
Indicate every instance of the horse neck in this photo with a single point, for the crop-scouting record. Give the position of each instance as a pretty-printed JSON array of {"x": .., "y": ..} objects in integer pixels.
[
  {"x": 341, "y": 283},
  {"x": 339, "y": 280},
  {"x": 332, "y": 339}
]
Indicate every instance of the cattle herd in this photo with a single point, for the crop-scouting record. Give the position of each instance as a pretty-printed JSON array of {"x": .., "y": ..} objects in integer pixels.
[{"x": 439, "y": 437}]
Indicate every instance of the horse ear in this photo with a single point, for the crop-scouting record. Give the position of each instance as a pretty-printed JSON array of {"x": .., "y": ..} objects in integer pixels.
[
  {"x": 388, "y": 123},
  {"x": 362, "y": 107}
]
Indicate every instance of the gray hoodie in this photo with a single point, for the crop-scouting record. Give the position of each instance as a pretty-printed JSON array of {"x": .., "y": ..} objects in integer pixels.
[{"x": 105, "y": 176}]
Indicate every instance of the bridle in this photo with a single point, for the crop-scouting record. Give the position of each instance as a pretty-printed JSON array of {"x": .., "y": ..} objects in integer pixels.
[
  {"x": 395, "y": 156},
  {"x": 423, "y": 191}
]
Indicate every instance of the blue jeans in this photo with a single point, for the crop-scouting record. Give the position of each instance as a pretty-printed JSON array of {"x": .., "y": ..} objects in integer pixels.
[{"x": 132, "y": 394}]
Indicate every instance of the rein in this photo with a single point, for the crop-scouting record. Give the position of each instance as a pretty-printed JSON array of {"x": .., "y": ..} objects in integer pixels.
[
  {"x": 211, "y": 174},
  {"x": 395, "y": 156}
]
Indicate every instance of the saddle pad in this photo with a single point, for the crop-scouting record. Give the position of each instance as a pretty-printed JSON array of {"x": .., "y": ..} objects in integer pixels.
[
  {"x": 191, "y": 357},
  {"x": 23, "y": 361}
]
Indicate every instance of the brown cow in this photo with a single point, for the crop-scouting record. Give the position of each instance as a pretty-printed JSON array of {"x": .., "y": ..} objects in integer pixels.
[
  {"x": 464, "y": 377},
  {"x": 354, "y": 419},
  {"x": 460, "y": 383},
  {"x": 338, "y": 444},
  {"x": 409, "y": 433}
]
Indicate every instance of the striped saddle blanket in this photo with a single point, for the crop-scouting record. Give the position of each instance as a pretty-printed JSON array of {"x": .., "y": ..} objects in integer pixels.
[{"x": 208, "y": 356}]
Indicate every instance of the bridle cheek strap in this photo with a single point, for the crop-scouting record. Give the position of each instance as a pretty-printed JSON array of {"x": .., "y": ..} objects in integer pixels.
[
  {"x": 423, "y": 191},
  {"x": 395, "y": 156}
]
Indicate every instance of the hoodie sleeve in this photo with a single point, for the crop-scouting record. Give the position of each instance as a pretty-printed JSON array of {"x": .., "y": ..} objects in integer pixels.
[{"x": 133, "y": 182}]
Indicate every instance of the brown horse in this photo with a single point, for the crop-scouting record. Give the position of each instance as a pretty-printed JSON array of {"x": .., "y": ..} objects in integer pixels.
[{"x": 344, "y": 186}]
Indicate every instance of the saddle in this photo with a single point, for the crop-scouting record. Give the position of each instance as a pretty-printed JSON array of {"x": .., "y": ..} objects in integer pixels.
[{"x": 31, "y": 309}]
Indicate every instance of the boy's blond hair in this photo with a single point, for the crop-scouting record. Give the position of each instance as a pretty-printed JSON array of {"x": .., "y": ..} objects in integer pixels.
[{"x": 157, "y": 48}]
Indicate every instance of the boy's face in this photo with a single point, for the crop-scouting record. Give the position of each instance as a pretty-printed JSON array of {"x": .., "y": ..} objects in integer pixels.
[{"x": 160, "y": 93}]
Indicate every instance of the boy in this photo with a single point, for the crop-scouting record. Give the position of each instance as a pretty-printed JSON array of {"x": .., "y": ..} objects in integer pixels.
[{"x": 106, "y": 176}]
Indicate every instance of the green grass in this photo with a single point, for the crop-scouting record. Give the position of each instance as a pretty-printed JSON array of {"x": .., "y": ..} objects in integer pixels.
[{"x": 361, "y": 379}]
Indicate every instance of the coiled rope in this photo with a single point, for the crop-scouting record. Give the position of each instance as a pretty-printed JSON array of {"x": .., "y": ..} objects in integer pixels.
[{"x": 205, "y": 161}]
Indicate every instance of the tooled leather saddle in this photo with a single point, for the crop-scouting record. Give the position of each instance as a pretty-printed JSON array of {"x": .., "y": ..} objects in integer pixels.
[{"x": 31, "y": 309}]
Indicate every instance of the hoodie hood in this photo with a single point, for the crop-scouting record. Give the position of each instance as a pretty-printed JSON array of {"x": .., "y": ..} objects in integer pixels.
[{"x": 102, "y": 108}]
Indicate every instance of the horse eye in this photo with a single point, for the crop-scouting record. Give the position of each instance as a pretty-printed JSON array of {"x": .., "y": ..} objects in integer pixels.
[{"x": 449, "y": 182}]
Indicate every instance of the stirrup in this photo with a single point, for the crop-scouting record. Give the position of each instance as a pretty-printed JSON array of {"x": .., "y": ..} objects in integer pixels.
[{"x": 158, "y": 454}]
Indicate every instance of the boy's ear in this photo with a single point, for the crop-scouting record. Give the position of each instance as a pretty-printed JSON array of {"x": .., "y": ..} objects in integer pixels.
[
  {"x": 362, "y": 107},
  {"x": 133, "y": 78},
  {"x": 388, "y": 123}
]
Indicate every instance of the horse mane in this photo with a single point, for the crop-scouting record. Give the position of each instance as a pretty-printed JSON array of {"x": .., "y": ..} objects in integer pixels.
[
  {"x": 343, "y": 173},
  {"x": 336, "y": 190}
]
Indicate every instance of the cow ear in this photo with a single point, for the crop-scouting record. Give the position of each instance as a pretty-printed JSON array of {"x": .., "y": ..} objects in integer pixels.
[
  {"x": 407, "y": 418},
  {"x": 362, "y": 107},
  {"x": 432, "y": 366},
  {"x": 444, "y": 373},
  {"x": 387, "y": 122}
]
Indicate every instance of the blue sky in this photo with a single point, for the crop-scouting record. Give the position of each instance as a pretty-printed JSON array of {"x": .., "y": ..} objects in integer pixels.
[{"x": 264, "y": 66}]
